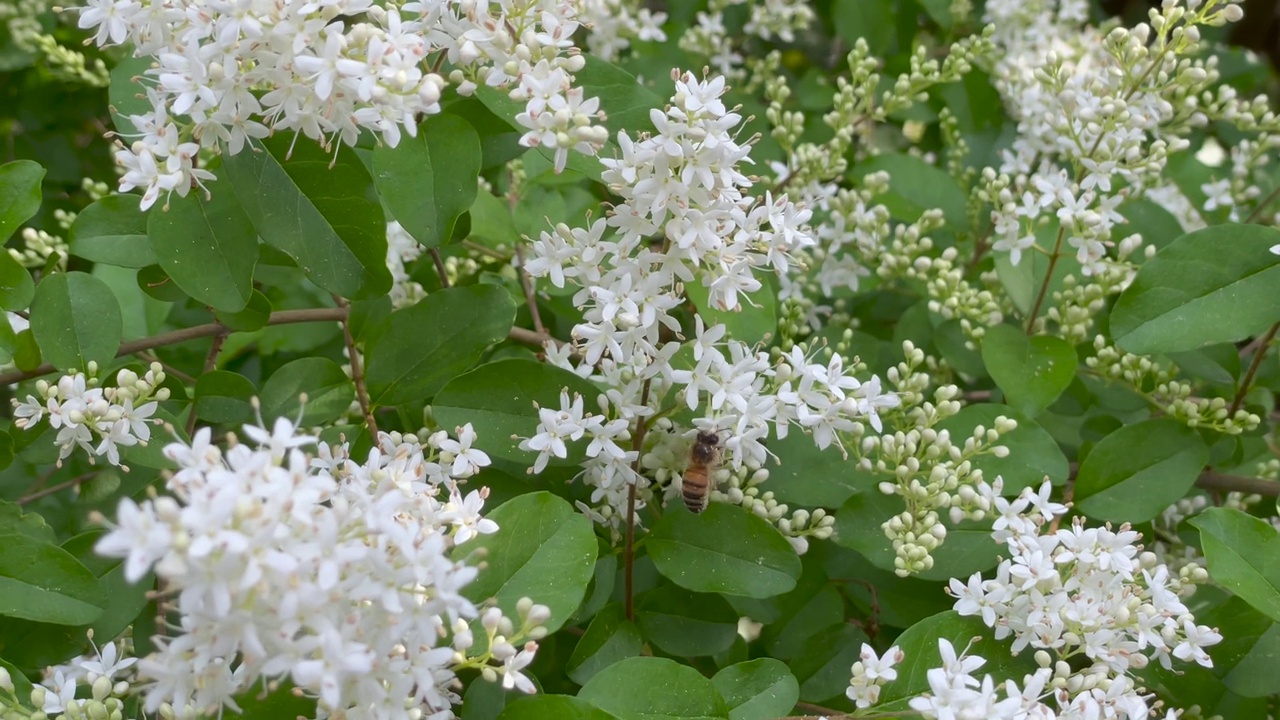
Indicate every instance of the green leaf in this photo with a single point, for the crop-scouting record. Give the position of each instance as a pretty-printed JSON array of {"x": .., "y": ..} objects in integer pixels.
[
  {"x": 114, "y": 231},
  {"x": 544, "y": 550},
  {"x": 1136, "y": 472},
  {"x": 650, "y": 688},
  {"x": 809, "y": 476},
  {"x": 19, "y": 194},
  {"x": 127, "y": 94},
  {"x": 208, "y": 247},
  {"x": 224, "y": 397},
  {"x": 1243, "y": 555},
  {"x": 253, "y": 317},
  {"x": 759, "y": 689},
  {"x": 42, "y": 582},
  {"x": 1250, "y": 648},
  {"x": 686, "y": 624},
  {"x": 498, "y": 399},
  {"x": 916, "y": 186},
  {"x": 624, "y": 100},
  {"x": 609, "y": 638},
  {"x": 870, "y": 20},
  {"x": 1033, "y": 453},
  {"x": 1032, "y": 372},
  {"x": 428, "y": 181},
  {"x": 76, "y": 319},
  {"x": 319, "y": 208},
  {"x": 725, "y": 549},
  {"x": 822, "y": 665},
  {"x": 281, "y": 702},
  {"x": 328, "y": 389},
  {"x": 1218, "y": 284},
  {"x": 16, "y": 286},
  {"x": 552, "y": 707},
  {"x": 491, "y": 221},
  {"x": 750, "y": 324},
  {"x": 417, "y": 350}
]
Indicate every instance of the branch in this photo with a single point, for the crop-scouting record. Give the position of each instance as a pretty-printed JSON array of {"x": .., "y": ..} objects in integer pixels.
[
  {"x": 357, "y": 376},
  {"x": 1262, "y": 344},
  {"x": 283, "y": 317}
]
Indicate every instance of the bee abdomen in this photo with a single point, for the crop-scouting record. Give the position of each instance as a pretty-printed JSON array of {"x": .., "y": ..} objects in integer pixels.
[{"x": 694, "y": 489}]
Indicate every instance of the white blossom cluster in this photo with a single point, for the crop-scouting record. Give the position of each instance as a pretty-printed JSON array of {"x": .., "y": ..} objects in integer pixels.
[
  {"x": 98, "y": 420},
  {"x": 402, "y": 249},
  {"x": 333, "y": 573},
  {"x": 1098, "y": 116},
  {"x": 229, "y": 71},
  {"x": 955, "y": 692},
  {"x": 870, "y": 673},
  {"x": 1082, "y": 593},
  {"x": 615, "y": 24},
  {"x": 682, "y": 185},
  {"x": 107, "y": 674},
  {"x": 767, "y": 20}
]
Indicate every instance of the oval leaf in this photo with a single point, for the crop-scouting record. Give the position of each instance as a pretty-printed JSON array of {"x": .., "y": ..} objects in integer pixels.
[
  {"x": 759, "y": 689},
  {"x": 1218, "y": 284},
  {"x": 428, "y": 181},
  {"x": 649, "y": 688},
  {"x": 224, "y": 397},
  {"x": 552, "y": 707},
  {"x": 1136, "y": 472},
  {"x": 113, "y": 230},
  {"x": 42, "y": 582},
  {"x": 609, "y": 638},
  {"x": 420, "y": 348},
  {"x": 544, "y": 550},
  {"x": 317, "y": 207},
  {"x": 1243, "y": 555},
  {"x": 19, "y": 194},
  {"x": 684, "y": 624},
  {"x": 208, "y": 247},
  {"x": 328, "y": 389},
  {"x": 16, "y": 286},
  {"x": 1032, "y": 372},
  {"x": 723, "y": 550},
  {"x": 76, "y": 319}
]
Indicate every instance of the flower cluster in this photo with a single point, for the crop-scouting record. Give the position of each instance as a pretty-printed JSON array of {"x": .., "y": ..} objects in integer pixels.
[
  {"x": 1076, "y": 592},
  {"x": 615, "y": 24},
  {"x": 230, "y": 73},
  {"x": 683, "y": 186},
  {"x": 334, "y": 573},
  {"x": 108, "y": 674},
  {"x": 98, "y": 420},
  {"x": 870, "y": 673}
]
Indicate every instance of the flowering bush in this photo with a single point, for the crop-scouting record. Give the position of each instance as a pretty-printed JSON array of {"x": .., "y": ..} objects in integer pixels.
[{"x": 744, "y": 359}]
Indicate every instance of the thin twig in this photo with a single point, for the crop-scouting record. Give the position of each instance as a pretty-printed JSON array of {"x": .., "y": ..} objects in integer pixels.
[
  {"x": 1214, "y": 481},
  {"x": 1048, "y": 278},
  {"x": 1245, "y": 383},
  {"x": 439, "y": 261},
  {"x": 57, "y": 488},
  {"x": 477, "y": 247},
  {"x": 357, "y": 377},
  {"x": 1257, "y": 212},
  {"x": 628, "y": 552},
  {"x": 530, "y": 300},
  {"x": 283, "y": 317},
  {"x": 210, "y": 362}
]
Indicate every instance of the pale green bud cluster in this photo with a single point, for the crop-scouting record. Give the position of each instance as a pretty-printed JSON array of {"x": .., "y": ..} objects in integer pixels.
[
  {"x": 22, "y": 18},
  {"x": 40, "y": 250},
  {"x": 743, "y": 487},
  {"x": 1158, "y": 383},
  {"x": 1079, "y": 301}
]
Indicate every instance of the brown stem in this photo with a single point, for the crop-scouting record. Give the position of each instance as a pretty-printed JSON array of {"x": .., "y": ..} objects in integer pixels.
[
  {"x": 357, "y": 376},
  {"x": 283, "y": 317},
  {"x": 57, "y": 488},
  {"x": 1253, "y": 369},
  {"x": 628, "y": 551},
  {"x": 1048, "y": 277},
  {"x": 210, "y": 362},
  {"x": 530, "y": 300},
  {"x": 439, "y": 261},
  {"x": 1257, "y": 212}
]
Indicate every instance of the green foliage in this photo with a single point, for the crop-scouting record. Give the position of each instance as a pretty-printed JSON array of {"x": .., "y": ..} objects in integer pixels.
[{"x": 723, "y": 550}]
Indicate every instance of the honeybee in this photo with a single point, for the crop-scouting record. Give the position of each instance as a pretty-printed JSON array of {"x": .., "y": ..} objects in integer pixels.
[{"x": 704, "y": 458}]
